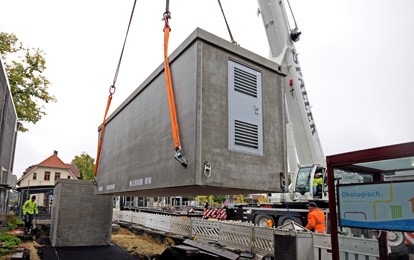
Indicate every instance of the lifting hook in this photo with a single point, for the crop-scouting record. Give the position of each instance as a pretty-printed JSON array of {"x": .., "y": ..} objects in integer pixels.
[{"x": 179, "y": 157}]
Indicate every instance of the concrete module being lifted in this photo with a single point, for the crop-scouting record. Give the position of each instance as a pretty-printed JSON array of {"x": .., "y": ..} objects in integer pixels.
[{"x": 230, "y": 112}]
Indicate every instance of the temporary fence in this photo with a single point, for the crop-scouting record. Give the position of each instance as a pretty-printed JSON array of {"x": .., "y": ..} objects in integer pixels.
[
  {"x": 246, "y": 236},
  {"x": 219, "y": 214}
]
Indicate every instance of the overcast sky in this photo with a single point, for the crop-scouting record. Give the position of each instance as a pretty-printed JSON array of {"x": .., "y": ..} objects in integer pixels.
[{"x": 356, "y": 57}]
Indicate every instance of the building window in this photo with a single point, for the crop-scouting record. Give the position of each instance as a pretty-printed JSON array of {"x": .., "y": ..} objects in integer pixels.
[
  {"x": 68, "y": 176},
  {"x": 57, "y": 175},
  {"x": 34, "y": 176},
  {"x": 47, "y": 176}
]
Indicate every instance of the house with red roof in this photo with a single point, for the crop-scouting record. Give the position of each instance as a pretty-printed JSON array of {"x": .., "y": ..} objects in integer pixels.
[{"x": 40, "y": 179}]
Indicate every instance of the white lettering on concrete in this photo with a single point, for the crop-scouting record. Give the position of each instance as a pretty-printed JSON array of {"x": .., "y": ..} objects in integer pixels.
[
  {"x": 110, "y": 187},
  {"x": 137, "y": 182}
]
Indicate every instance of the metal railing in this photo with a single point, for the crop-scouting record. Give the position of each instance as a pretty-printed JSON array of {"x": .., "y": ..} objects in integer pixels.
[{"x": 246, "y": 236}]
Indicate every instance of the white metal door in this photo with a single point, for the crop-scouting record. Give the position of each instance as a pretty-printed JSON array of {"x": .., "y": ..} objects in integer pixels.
[{"x": 245, "y": 109}]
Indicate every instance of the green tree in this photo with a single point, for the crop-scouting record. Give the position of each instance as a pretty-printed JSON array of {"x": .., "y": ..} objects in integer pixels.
[
  {"x": 202, "y": 200},
  {"x": 85, "y": 164},
  {"x": 29, "y": 87},
  {"x": 240, "y": 198},
  {"x": 218, "y": 199}
]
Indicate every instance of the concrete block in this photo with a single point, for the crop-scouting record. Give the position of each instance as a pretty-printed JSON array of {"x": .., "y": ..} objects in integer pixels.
[
  {"x": 226, "y": 96},
  {"x": 79, "y": 217}
]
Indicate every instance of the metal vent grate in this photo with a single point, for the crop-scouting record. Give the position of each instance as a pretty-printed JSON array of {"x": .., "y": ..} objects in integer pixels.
[
  {"x": 246, "y": 134},
  {"x": 245, "y": 82}
]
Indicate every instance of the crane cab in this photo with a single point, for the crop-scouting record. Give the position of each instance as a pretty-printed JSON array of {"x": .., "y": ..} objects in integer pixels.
[{"x": 310, "y": 183}]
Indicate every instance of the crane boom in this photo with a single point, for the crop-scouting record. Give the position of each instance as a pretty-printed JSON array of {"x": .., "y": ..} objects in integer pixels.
[{"x": 299, "y": 118}]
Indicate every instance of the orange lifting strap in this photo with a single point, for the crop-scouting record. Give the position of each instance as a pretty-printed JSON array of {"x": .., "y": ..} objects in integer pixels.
[
  {"x": 173, "y": 113},
  {"x": 102, "y": 133},
  {"x": 171, "y": 101},
  {"x": 112, "y": 89}
]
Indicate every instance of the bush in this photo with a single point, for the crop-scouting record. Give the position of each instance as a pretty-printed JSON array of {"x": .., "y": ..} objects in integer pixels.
[
  {"x": 13, "y": 220},
  {"x": 10, "y": 226},
  {"x": 8, "y": 242},
  {"x": 4, "y": 251}
]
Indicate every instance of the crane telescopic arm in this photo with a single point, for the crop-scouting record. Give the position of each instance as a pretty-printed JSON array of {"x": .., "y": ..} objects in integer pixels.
[{"x": 299, "y": 117}]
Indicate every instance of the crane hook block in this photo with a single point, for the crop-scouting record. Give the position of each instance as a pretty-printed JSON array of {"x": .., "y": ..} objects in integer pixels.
[{"x": 295, "y": 35}]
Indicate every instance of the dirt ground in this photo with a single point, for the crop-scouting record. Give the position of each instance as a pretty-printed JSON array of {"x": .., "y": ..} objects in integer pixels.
[{"x": 140, "y": 246}]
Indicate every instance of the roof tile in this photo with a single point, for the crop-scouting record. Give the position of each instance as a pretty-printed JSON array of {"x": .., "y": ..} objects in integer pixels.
[{"x": 53, "y": 161}]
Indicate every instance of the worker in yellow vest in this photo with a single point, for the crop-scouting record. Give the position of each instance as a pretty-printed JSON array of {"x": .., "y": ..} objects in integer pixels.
[
  {"x": 317, "y": 181},
  {"x": 29, "y": 210}
]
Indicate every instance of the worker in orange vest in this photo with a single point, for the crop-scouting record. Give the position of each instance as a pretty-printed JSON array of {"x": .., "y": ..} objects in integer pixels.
[
  {"x": 269, "y": 223},
  {"x": 316, "y": 218}
]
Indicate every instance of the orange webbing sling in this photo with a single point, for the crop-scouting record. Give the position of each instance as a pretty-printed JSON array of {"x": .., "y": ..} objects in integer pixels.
[
  {"x": 102, "y": 132},
  {"x": 173, "y": 113},
  {"x": 112, "y": 89}
]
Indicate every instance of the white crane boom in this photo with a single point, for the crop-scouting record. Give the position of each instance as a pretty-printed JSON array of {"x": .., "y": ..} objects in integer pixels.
[{"x": 299, "y": 117}]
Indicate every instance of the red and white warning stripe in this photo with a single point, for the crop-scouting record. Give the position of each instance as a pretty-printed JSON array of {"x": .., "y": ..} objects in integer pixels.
[
  {"x": 219, "y": 214},
  {"x": 409, "y": 238}
]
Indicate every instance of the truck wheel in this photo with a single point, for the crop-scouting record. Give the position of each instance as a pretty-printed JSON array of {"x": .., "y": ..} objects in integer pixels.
[
  {"x": 268, "y": 257},
  {"x": 285, "y": 219},
  {"x": 397, "y": 243},
  {"x": 261, "y": 220}
]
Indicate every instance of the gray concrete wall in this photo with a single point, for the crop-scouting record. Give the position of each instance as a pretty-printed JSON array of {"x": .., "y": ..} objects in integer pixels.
[
  {"x": 8, "y": 135},
  {"x": 8, "y": 123},
  {"x": 3, "y": 207},
  {"x": 231, "y": 168},
  {"x": 138, "y": 154},
  {"x": 79, "y": 217}
]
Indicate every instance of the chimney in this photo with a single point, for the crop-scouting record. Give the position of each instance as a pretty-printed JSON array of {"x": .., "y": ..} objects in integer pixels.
[{"x": 55, "y": 152}]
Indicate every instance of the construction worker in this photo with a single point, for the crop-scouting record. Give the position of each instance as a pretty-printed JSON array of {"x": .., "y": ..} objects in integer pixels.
[
  {"x": 316, "y": 218},
  {"x": 317, "y": 181},
  {"x": 269, "y": 223},
  {"x": 29, "y": 209}
]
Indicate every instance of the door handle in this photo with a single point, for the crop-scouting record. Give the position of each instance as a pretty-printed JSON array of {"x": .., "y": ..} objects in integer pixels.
[{"x": 256, "y": 109}]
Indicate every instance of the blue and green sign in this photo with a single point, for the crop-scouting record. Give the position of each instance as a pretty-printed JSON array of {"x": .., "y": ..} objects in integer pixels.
[{"x": 382, "y": 206}]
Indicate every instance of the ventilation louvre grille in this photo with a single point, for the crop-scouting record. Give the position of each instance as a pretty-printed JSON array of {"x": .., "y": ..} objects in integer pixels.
[
  {"x": 245, "y": 82},
  {"x": 246, "y": 134}
]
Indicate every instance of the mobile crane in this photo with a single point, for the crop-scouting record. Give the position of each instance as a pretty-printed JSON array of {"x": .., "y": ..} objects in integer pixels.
[
  {"x": 304, "y": 150},
  {"x": 305, "y": 154}
]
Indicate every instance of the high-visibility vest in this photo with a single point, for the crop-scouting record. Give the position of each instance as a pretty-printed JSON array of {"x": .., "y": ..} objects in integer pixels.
[
  {"x": 316, "y": 220},
  {"x": 317, "y": 181},
  {"x": 30, "y": 207}
]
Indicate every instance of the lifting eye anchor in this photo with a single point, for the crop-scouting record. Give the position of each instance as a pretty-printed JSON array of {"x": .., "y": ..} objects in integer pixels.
[
  {"x": 207, "y": 169},
  {"x": 282, "y": 180},
  {"x": 179, "y": 157}
]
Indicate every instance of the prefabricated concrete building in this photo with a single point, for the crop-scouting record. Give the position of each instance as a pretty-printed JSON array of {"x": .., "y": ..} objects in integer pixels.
[{"x": 231, "y": 119}]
